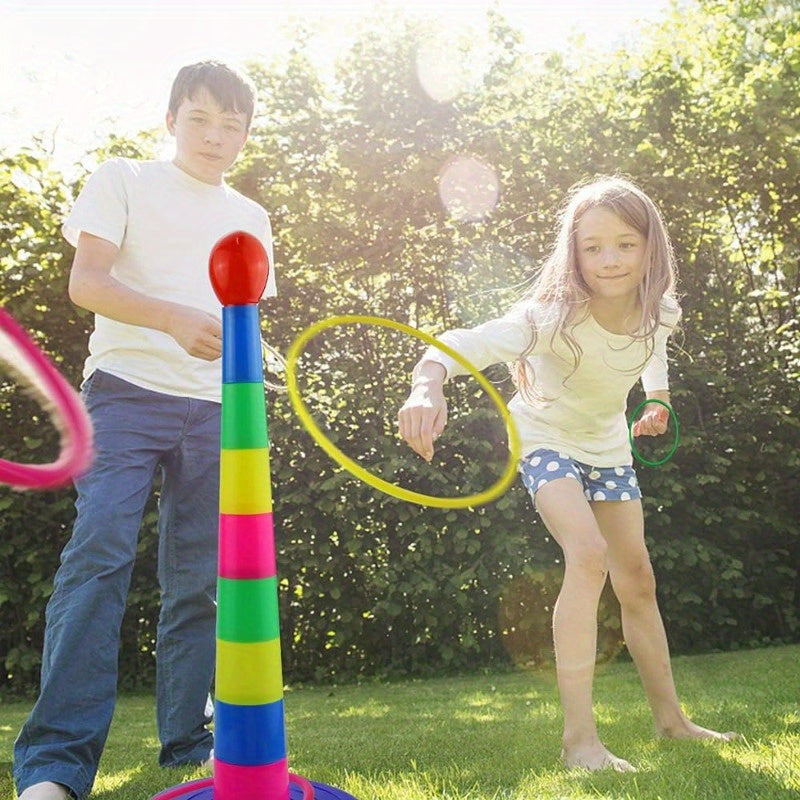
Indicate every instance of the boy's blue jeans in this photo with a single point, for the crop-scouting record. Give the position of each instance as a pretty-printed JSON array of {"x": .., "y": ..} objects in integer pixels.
[{"x": 137, "y": 432}]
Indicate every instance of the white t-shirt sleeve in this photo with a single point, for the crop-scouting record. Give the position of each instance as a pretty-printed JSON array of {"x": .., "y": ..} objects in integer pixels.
[
  {"x": 655, "y": 376},
  {"x": 101, "y": 208},
  {"x": 496, "y": 341},
  {"x": 270, "y": 290}
]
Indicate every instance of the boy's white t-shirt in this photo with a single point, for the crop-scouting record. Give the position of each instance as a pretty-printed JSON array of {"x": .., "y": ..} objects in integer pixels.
[
  {"x": 165, "y": 224},
  {"x": 585, "y": 413}
]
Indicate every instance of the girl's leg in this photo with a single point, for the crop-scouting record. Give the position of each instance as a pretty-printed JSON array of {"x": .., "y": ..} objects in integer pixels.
[
  {"x": 568, "y": 516},
  {"x": 622, "y": 526}
]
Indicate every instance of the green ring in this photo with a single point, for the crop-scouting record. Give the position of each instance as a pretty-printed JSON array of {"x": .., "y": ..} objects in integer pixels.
[
  {"x": 460, "y": 501},
  {"x": 677, "y": 432}
]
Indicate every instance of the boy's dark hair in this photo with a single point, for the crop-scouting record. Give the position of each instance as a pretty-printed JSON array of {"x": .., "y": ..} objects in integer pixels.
[{"x": 230, "y": 89}]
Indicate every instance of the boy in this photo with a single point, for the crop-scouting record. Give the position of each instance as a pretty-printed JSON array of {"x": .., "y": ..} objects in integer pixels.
[{"x": 144, "y": 231}]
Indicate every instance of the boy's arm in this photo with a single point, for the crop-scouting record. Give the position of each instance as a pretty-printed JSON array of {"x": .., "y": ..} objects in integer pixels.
[{"x": 92, "y": 287}]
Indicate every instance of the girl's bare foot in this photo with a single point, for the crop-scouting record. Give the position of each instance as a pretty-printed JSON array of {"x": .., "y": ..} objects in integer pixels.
[
  {"x": 593, "y": 756},
  {"x": 686, "y": 729}
]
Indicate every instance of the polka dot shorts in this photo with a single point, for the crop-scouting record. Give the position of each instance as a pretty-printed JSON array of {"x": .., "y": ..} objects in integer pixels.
[{"x": 599, "y": 483}]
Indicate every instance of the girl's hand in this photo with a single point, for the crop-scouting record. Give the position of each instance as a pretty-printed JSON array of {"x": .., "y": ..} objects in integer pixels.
[
  {"x": 653, "y": 421},
  {"x": 423, "y": 416}
]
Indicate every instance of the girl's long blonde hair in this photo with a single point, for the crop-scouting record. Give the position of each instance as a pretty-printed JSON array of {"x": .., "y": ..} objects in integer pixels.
[{"x": 560, "y": 286}]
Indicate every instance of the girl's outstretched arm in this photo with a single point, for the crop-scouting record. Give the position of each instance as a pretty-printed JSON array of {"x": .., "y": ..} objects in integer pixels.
[{"x": 424, "y": 414}]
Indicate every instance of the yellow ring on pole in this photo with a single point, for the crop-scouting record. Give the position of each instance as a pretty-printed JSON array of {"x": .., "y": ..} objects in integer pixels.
[{"x": 459, "y": 501}]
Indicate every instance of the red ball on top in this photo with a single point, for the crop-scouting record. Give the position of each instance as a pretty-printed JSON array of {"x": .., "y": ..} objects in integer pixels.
[{"x": 238, "y": 268}]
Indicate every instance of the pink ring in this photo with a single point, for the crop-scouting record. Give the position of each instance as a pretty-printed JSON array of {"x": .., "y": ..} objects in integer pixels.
[
  {"x": 68, "y": 414},
  {"x": 304, "y": 784}
]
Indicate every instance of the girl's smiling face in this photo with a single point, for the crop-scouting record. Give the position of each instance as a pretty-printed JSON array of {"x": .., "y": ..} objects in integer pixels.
[{"x": 610, "y": 255}]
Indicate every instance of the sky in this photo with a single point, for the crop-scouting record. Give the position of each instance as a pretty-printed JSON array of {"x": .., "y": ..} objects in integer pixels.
[{"x": 74, "y": 72}]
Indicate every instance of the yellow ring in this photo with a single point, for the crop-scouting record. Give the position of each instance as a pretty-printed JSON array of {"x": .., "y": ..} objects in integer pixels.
[{"x": 358, "y": 471}]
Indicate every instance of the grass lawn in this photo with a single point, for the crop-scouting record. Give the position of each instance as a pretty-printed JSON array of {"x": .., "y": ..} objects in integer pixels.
[{"x": 496, "y": 736}]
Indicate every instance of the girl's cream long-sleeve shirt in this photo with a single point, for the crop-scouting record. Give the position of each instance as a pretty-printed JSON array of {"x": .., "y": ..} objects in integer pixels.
[{"x": 584, "y": 412}]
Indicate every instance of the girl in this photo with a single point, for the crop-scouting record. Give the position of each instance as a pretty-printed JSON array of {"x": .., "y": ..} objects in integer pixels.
[{"x": 596, "y": 318}]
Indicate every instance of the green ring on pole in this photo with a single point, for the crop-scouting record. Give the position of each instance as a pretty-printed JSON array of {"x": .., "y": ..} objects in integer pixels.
[
  {"x": 677, "y": 432},
  {"x": 459, "y": 501}
]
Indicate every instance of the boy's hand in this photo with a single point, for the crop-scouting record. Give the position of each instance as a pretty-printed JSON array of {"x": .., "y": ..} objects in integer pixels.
[
  {"x": 423, "y": 417},
  {"x": 197, "y": 332},
  {"x": 92, "y": 286},
  {"x": 653, "y": 421}
]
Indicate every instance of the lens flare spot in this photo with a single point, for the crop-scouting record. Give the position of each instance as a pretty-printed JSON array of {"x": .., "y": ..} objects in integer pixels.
[
  {"x": 450, "y": 63},
  {"x": 469, "y": 188}
]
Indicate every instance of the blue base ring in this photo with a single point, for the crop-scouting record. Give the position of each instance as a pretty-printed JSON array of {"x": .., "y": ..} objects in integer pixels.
[{"x": 200, "y": 790}]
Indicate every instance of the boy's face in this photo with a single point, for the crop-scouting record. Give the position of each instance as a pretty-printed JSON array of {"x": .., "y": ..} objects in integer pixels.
[{"x": 207, "y": 139}]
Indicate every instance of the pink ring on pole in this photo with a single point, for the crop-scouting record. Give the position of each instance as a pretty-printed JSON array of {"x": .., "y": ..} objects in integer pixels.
[
  {"x": 304, "y": 784},
  {"x": 59, "y": 399},
  {"x": 186, "y": 789}
]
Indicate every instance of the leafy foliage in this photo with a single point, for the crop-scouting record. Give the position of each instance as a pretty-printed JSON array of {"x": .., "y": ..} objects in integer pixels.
[{"x": 703, "y": 114}]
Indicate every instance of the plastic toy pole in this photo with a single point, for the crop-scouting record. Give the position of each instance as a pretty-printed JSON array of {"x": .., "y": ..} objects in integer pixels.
[
  {"x": 250, "y": 743},
  {"x": 250, "y": 759}
]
